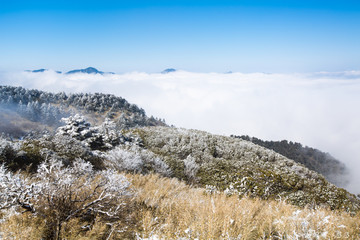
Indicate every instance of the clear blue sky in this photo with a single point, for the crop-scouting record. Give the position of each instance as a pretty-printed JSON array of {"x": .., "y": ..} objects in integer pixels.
[{"x": 204, "y": 36}]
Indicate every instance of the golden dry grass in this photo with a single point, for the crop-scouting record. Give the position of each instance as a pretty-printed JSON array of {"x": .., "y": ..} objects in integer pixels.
[
  {"x": 169, "y": 209},
  {"x": 22, "y": 226},
  {"x": 173, "y": 210}
]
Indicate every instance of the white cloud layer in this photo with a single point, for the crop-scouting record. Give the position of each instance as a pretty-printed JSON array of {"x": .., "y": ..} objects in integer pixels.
[{"x": 318, "y": 110}]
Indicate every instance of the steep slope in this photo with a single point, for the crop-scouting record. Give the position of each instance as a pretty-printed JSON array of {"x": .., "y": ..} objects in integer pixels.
[
  {"x": 323, "y": 163},
  {"x": 241, "y": 167}
]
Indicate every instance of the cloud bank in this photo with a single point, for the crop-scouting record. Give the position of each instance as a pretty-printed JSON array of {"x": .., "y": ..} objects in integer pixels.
[{"x": 318, "y": 109}]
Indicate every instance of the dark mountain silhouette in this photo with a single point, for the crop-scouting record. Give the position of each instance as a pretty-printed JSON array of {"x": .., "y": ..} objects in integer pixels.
[
  {"x": 169, "y": 70},
  {"x": 89, "y": 70},
  {"x": 41, "y": 70}
]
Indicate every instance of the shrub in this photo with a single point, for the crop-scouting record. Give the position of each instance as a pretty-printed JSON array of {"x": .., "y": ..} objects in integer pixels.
[
  {"x": 137, "y": 160},
  {"x": 59, "y": 194}
]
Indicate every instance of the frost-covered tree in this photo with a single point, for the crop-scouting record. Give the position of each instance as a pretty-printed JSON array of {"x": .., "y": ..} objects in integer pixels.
[
  {"x": 95, "y": 137},
  {"x": 191, "y": 168},
  {"x": 15, "y": 190},
  {"x": 135, "y": 159},
  {"x": 102, "y": 137},
  {"x": 59, "y": 194},
  {"x": 77, "y": 127}
]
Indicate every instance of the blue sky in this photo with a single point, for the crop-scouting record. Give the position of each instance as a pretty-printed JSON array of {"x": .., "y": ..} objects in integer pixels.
[{"x": 201, "y": 36}]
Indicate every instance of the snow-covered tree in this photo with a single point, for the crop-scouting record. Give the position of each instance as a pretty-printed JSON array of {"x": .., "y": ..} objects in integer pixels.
[
  {"x": 135, "y": 159},
  {"x": 59, "y": 194},
  {"x": 191, "y": 168},
  {"x": 15, "y": 190}
]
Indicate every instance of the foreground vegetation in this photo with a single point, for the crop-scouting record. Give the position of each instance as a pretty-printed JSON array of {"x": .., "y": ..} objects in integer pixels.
[{"x": 164, "y": 208}]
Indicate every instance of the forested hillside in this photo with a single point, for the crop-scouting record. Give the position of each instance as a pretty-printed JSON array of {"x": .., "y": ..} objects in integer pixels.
[
  {"x": 22, "y": 107},
  {"x": 313, "y": 159}
]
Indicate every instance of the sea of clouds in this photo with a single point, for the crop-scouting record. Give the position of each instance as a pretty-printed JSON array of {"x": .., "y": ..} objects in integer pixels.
[{"x": 316, "y": 109}]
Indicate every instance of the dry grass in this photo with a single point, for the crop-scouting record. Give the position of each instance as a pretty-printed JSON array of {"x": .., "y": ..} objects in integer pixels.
[
  {"x": 29, "y": 227},
  {"x": 22, "y": 226},
  {"x": 164, "y": 208},
  {"x": 173, "y": 210}
]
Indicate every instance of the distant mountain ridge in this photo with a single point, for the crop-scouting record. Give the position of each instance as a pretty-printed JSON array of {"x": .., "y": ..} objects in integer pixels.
[
  {"x": 169, "y": 70},
  {"x": 41, "y": 70},
  {"x": 89, "y": 70}
]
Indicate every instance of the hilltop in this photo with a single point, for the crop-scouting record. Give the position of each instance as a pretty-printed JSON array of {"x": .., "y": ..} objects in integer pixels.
[{"x": 23, "y": 107}]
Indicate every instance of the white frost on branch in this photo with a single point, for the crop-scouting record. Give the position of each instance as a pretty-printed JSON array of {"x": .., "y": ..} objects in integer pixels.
[
  {"x": 135, "y": 159},
  {"x": 60, "y": 193},
  {"x": 16, "y": 190}
]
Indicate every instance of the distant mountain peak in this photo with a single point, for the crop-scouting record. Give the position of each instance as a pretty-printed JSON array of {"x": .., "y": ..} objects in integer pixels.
[
  {"x": 169, "y": 70},
  {"x": 39, "y": 70},
  {"x": 89, "y": 70}
]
